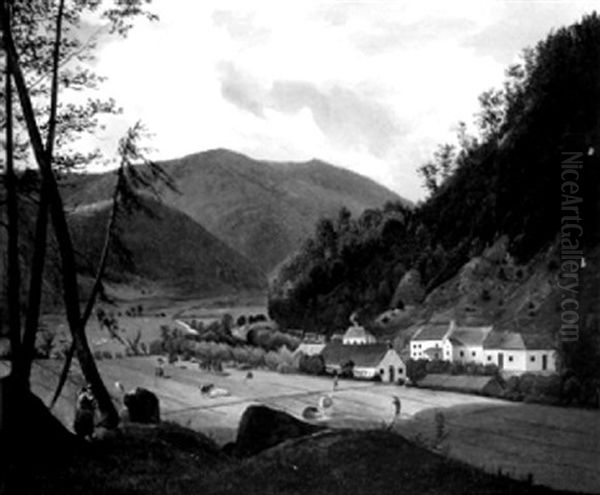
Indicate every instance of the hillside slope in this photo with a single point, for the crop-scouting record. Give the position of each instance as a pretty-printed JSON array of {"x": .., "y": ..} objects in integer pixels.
[
  {"x": 261, "y": 209},
  {"x": 492, "y": 241},
  {"x": 161, "y": 246}
]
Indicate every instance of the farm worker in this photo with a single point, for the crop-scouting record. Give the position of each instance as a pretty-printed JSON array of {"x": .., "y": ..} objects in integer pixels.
[
  {"x": 397, "y": 406},
  {"x": 335, "y": 382},
  {"x": 84, "y": 413}
]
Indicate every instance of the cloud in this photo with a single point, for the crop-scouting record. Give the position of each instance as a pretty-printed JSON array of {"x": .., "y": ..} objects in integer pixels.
[
  {"x": 241, "y": 89},
  {"x": 344, "y": 115},
  {"x": 371, "y": 86}
]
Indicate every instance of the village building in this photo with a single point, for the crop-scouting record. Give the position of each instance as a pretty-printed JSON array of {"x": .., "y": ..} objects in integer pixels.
[
  {"x": 519, "y": 353},
  {"x": 357, "y": 335},
  {"x": 465, "y": 344},
  {"x": 510, "y": 351},
  {"x": 428, "y": 340},
  {"x": 366, "y": 361},
  {"x": 310, "y": 348}
]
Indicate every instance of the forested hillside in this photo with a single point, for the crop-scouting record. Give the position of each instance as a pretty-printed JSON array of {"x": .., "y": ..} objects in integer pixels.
[{"x": 503, "y": 183}]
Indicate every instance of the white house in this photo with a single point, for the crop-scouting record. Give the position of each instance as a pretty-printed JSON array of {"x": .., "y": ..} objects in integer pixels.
[
  {"x": 310, "y": 348},
  {"x": 519, "y": 353},
  {"x": 366, "y": 361},
  {"x": 357, "y": 335},
  {"x": 428, "y": 341},
  {"x": 465, "y": 344}
]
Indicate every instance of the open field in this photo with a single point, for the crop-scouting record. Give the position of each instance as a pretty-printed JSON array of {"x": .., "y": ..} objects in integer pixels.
[{"x": 560, "y": 447}]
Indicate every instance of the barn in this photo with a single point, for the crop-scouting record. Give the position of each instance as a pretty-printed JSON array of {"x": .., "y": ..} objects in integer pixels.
[{"x": 366, "y": 361}]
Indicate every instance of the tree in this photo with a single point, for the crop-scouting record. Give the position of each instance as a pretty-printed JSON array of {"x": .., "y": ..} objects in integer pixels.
[{"x": 29, "y": 54}]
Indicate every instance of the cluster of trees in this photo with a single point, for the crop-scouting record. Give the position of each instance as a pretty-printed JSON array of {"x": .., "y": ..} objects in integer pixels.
[
  {"x": 46, "y": 57},
  {"x": 504, "y": 181}
]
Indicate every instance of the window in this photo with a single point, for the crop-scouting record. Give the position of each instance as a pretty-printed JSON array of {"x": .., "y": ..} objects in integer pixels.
[
  {"x": 400, "y": 371},
  {"x": 473, "y": 354},
  {"x": 381, "y": 371},
  {"x": 532, "y": 359},
  {"x": 489, "y": 358},
  {"x": 462, "y": 353},
  {"x": 510, "y": 358}
]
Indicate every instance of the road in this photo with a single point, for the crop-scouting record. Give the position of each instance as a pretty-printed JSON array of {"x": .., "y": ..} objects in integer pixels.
[{"x": 560, "y": 447}]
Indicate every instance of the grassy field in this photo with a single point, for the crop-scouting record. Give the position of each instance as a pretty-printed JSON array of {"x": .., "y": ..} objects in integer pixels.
[{"x": 559, "y": 447}]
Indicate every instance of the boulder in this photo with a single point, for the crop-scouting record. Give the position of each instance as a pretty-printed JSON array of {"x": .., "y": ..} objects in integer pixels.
[
  {"x": 410, "y": 290},
  {"x": 142, "y": 406},
  {"x": 262, "y": 427},
  {"x": 28, "y": 430}
]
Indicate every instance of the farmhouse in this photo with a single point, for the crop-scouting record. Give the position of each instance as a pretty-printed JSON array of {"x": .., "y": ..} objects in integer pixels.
[
  {"x": 366, "y": 361},
  {"x": 516, "y": 352},
  {"x": 465, "y": 344},
  {"x": 428, "y": 341},
  {"x": 357, "y": 335}
]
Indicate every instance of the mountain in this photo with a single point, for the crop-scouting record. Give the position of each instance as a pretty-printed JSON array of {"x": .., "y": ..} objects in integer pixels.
[
  {"x": 160, "y": 246},
  {"x": 262, "y": 209}
]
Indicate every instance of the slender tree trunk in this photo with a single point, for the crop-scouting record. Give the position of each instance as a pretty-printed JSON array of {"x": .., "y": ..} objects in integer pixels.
[
  {"x": 35, "y": 288},
  {"x": 41, "y": 235},
  {"x": 95, "y": 288},
  {"x": 12, "y": 210},
  {"x": 61, "y": 229}
]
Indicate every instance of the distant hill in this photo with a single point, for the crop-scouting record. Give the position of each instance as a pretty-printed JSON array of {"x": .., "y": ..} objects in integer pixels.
[
  {"x": 262, "y": 209},
  {"x": 161, "y": 246}
]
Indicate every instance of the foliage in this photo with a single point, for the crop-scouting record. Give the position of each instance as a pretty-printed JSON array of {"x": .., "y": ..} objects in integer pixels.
[{"x": 312, "y": 365}]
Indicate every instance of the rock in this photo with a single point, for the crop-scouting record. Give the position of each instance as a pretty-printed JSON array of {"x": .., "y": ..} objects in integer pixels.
[
  {"x": 28, "y": 430},
  {"x": 409, "y": 291},
  {"x": 262, "y": 427},
  {"x": 143, "y": 406},
  {"x": 310, "y": 412}
]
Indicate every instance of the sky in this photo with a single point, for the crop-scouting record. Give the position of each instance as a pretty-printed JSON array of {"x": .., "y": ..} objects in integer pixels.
[{"x": 370, "y": 86}]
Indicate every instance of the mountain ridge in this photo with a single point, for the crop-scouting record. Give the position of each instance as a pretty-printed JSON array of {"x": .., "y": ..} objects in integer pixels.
[{"x": 262, "y": 209}]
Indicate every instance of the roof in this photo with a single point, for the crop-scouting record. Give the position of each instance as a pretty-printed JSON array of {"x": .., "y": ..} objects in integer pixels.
[
  {"x": 504, "y": 340},
  {"x": 432, "y": 331},
  {"x": 363, "y": 356},
  {"x": 515, "y": 341},
  {"x": 468, "y": 336},
  {"x": 357, "y": 332},
  {"x": 456, "y": 382}
]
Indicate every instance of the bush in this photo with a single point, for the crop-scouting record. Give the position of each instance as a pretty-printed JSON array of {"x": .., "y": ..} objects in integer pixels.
[
  {"x": 107, "y": 355},
  {"x": 285, "y": 369},
  {"x": 98, "y": 355},
  {"x": 416, "y": 369},
  {"x": 312, "y": 365}
]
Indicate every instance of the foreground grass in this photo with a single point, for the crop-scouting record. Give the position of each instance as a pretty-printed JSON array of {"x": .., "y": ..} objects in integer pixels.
[{"x": 173, "y": 460}]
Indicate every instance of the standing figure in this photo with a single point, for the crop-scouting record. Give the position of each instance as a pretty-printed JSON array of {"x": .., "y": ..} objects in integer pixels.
[
  {"x": 84, "y": 413},
  {"x": 397, "y": 408},
  {"x": 335, "y": 382}
]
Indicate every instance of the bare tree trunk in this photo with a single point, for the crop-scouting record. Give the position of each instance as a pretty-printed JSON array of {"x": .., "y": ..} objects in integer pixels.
[
  {"x": 95, "y": 289},
  {"x": 61, "y": 229},
  {"x": 41, "y": 235},
  {"x": 12, "y": 210},
  {"x": 35, "y": 288}
]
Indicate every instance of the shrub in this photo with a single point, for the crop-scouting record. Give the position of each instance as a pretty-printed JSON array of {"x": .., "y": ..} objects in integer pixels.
[
  {"x": 285, "y": 369},
  {"x": 416, "y": 369},
  {"x": 107, "y": 355},
  {"x": 118, "y": 355},
  {"x": 272, "y": 360},
  {"x": 311, "y": 365},
  {"x": 98, "y": 355}
]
